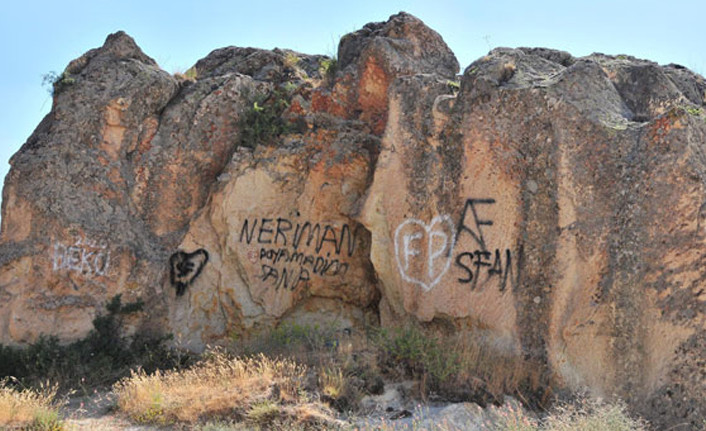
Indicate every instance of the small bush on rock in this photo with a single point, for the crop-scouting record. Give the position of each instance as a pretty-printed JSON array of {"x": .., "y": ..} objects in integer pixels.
[
  {"x": 57, "y": 82},
  {"x": 263, "y": 122}
]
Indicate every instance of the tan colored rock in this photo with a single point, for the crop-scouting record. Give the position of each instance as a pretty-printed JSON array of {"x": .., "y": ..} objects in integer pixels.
[
  {"x": 370, "y": 59},
  {"x": 555, "y": 204},
  {"x": 278, "y": 238},
  {"x": 95, "y": 196},
  {"x": 538, "y": 206}
]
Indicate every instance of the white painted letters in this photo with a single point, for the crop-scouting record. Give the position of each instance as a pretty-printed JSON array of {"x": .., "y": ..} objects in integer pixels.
[
  {"x": 423, "y": 263},
  {"x": 83, "y": 256}
]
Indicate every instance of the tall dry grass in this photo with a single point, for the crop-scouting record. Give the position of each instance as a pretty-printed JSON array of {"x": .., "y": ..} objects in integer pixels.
[
  {"x": 461, "y": 367},
  {"x": 584, "y": 414},
  {"x": 29, "y": 409},
  {"x": 260, "y": 391},
  {"x": 229, "y": 393},
  {"x": 591, "y": 414}
]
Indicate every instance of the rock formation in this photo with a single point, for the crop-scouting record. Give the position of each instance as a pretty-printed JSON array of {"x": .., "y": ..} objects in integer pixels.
[{"x": 555, "y": 203}]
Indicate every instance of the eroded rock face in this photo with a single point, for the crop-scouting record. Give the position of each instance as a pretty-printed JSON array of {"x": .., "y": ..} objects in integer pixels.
[
  {"x": 282, "y": 242},
  {"x": 553, "y": 203},
  {"x": 71, "y": 237},
  {"x": 558, "y": 208}
]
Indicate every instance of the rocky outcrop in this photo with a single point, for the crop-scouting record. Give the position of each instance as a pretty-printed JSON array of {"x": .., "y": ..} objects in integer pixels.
[
  {"x": 553, "y": 203},
  {"x": 558, "y": 208}
]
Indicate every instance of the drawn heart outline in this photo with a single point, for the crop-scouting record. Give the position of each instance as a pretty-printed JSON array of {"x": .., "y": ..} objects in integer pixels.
[
  {"x": 430, "y": 232},
  {"x": 185, "y": 267}
]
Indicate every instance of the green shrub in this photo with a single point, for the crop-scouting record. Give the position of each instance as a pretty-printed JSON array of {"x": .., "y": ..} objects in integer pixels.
[
  {"x": 453, "y": 86},
  {"x": 262, "y": 123},
  {"x": 100, "y": 359},
  {"x": 418, "y": 354},
  {"x": 328, "y": 68},
  {"x": 57, "y": 82}
]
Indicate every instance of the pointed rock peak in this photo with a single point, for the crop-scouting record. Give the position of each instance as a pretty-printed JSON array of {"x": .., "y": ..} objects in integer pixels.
[
  {"x": 410, "y": 38},
  {"x": 122, "y": 45}
]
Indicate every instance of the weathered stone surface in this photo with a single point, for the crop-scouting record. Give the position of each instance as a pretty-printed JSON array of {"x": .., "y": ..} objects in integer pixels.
[
  {"x": 70, "y": 235},
  {"x": 127, "y": 156},
  {"x": 281, "y": 241},
  {"x": 279, "y": 225},
  {"x": 559, "y": 208},
  {"x": 370, "y": 59},
  {"x": 554, "y": 203}
]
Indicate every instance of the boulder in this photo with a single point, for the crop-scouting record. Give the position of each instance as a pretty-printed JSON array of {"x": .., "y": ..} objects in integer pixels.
[
  {"x": 555, "y": 204},
  {"x": 281, "y": 242},
  {"x": 370, "y": 59},
  {"x": 71, "y": 235}
]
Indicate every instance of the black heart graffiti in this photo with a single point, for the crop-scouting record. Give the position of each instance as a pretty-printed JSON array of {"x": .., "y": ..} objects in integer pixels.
[{"x": 185, "y": 267}]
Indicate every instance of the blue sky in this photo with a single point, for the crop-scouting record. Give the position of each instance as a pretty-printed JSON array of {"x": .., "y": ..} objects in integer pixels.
[{"x": 42, "y": 36}]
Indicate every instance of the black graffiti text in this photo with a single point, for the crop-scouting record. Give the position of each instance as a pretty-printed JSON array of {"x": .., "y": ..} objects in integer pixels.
[
  {"x": 282, "y": 232},
  {"x": 482, "y": 263},
  {"x": 316, "y": 264},
  {"x": 285, "y": 278}
]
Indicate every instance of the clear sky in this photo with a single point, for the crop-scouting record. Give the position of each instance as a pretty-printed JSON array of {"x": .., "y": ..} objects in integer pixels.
[{"x": 37, "y": 37}]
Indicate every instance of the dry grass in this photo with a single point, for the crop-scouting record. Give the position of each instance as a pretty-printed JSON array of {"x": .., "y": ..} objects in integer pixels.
[
  {"x": 493, "y": 371},
  {"x": 32, "y": 410},
  {"x": 259, "y": 391},
  {"x": 228, "y": 393},
  {"x": 587, "y": 414},
  {"x": 592, "y": 414},
  {"x": 457, "y": 367},
  {"x": 332, "y": 382}
]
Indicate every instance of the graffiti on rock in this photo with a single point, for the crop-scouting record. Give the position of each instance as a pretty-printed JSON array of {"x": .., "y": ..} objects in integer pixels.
[
  {"x": 483, "y": 260},
  {"x": 83, "y": 256},
  {"x": 185, "y": 268},
  {"x": 291, "y": 253},
  {"x": 423, "y": 251}
]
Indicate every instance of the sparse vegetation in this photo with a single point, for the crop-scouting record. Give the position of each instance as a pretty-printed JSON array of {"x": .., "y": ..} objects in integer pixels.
[
  {"x": 312, "y": 338},
  {"x": 696, "y": 111},
  {"x": 328, "y": 68},
  {"x": 291, "y": 60},
  {"x": 191, "y": 74},
  {"x": 100, "y": 359},
  {"x": 587, "y": 414},
  {"x": 263, "y": 124},
  {"x": 30, "y": 409},
  {"x": 266, "y": 393},
  {"x": 455, "y": 367},
  {"x": 57, "y": 82},
  {"x": 454, "y": 86},
  {"x": 293, "y": 377}
]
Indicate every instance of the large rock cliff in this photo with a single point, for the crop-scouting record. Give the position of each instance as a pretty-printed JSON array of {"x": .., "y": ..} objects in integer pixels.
[{"x": 555, "y": 204}]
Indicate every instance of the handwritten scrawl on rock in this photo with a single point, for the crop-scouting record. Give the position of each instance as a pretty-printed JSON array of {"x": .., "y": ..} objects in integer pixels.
[
  {"x": 82, "y": 256},
  {"x": 423, "y": 251},
  {"x": 185, "y": 267}
]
